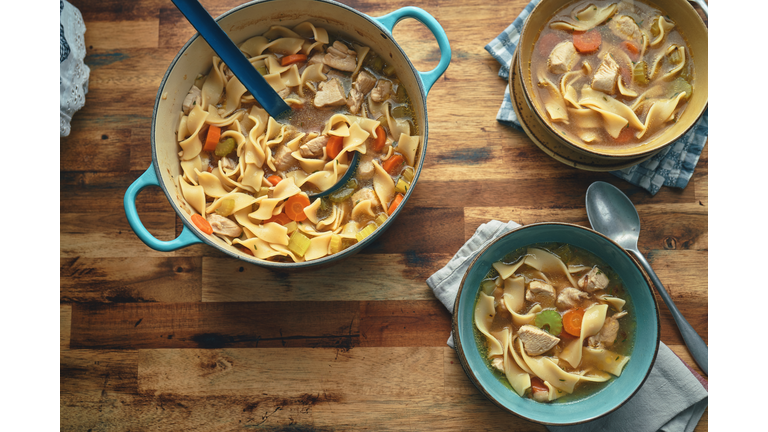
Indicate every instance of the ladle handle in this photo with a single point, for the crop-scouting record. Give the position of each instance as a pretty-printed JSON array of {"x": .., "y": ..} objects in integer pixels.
[{"x": 693, "y": 341}]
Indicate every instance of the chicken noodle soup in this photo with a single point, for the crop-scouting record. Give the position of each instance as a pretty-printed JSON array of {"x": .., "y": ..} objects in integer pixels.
[
  {"x": 553, "y": 322},
  {"x": 249, "y": 178},
  {"x": 610, "y": 73}
]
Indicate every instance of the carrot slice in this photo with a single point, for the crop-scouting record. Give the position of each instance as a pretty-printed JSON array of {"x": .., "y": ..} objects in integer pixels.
[
  {"x": 537, "y": 385},
  {"x": 632, "y": 49},
  {"x": 380, "y": 140},
  {"x": 245, "y": 250},
  {"x": 201, "y": 223},
  {"x": 624, "y": 136},
  {"x": 334, "y": 146},
  {"x": 392, "y": 165},
  {"x": 281, "y": 218},
  {"x": 294, "y": 207},
  {"x": 214, "y": 132},
  {"x": 396, "y": 202},
  {"x": 572, "y": 321},
  {"x": 291, "y": 59},
  {"x": 587, "y": 42},
  {"x": 274, "y": 179}
]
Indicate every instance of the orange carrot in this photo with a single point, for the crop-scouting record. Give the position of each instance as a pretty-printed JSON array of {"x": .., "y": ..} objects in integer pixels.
[
  {"x": 294, "y": 207},
  {"x": 396, "y": 202},
  {"x": 587, "y": 42},
  {"x": 281, "y": 218},
  {"x": 214, "y": 132},
  {"x": 631, "y": 49},
  {"x": 572, "y": 321},
  {"x": 537, "y": 385},
  {"x": 380, "y": 140},
  {"x": 624, "y": 136},
  {"x": 274, "y": 179},
  {"x": 245, "y": 250},
  {"x": 392, "y": 165},
  {"x": 291, "y": 59},
  {"x": 201, "y": 223},
  {"x": 334, "y": 146}
]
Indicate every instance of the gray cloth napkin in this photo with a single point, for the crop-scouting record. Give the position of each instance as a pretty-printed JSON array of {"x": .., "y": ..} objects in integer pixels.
[
  {"x": 672, "y": 166},
  {"x": 672, "y": 399}
]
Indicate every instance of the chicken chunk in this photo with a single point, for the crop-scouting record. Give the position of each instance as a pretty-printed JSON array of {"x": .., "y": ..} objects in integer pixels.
[
  {"x": 365, "y": 194},
  {"x": 284, "y": 93},
  {"x": 355, "y": 101},
  {"x": 330, "y": 93},
  {"x": 498, "y": 363},
  {"x": 626, "y": 28},
  {"x": 340, "y": 57},
  {"x": 593, "y": 281},
  {"x": 537, "y": 289},
  {"x": 283, "y": 158},
  {"x": 224, "y": 226},
  {"x": 365, "y": 169},
  {"x": 605, "y": 76},
  {"x": 536, "y": 341},
  {"x": 227, "y": 163},
  {"x": 570, "y": 298},
  {"x": 364, "y": 82},
  {"x": 540, "y": 395},
  {"x": 562, "y": 57},
  {"x": 194, "y": 97},
  {"x": 314, "y": 147},
  {"x": 607, "y": 334},
  {"x": 318, "y": 58},
  {"x": 382, "y": 91}
]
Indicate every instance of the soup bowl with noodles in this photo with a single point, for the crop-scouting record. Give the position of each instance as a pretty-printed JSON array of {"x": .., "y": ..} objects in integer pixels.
[
  {"x": 218, "y": 156},
  {"x": 614, "y": 79},
  {"x": 556, "y": 323}
]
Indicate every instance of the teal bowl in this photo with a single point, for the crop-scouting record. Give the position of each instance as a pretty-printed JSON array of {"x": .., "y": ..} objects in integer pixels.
[{"x": 643, "y": 305}]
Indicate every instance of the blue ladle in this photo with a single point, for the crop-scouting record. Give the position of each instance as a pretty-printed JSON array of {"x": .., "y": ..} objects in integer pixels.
[{"x": 231, "y": 55}]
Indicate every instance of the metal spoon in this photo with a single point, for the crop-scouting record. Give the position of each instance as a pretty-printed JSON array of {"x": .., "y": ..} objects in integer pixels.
[
  {"x": 231, "y": 55},
  {"x": 611, "y": 213}
]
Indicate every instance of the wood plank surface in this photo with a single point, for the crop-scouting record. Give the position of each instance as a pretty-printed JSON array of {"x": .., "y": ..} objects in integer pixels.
[{"x": 195, "y": 340}]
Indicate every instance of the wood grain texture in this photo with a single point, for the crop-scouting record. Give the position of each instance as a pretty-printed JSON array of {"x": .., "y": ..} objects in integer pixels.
[{"x": 195, "y": 340}]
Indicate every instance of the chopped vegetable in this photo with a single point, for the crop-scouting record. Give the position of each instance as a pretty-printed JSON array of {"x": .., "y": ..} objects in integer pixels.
[
  {"x": 631, "y": 49},
  {"x": 375, "y": 62},
  {"x": 274, "y": 179},
  {"x": 262, "y": 191},
  {"x": 365, "y": 232},
  {"x": 393, "y": 164},
  {"x": 225, "y": 147},
  {"x": 400, "y": 95},
  {"x": 551, "y": 320},
  {"x": 214, "y": 132},
  {"x": 396, "y": 202},
  {"x": 389, "y": 70},
  {"x": 408, "y": 174},
  {"x": 335, "y": 245},
  {"x": 226, "y": 207},
  {"x": 572, "y": 321},
  {"x": 587, "y": 42},
  {"x": 245, "y": 250},
  {"x": 401, "y": 186},
  {"x": 380, "y": 140},
  {"x": 640, "y": 73},
  {"x": 488, "y": 286},
  {"x": 675, "y": 57},
  {"x": 680, "y": 85},
  {"x": 380, "y": 219},
  {"x": 281, "y": 218},
  {"x": 342, "y": 194},
  {"x": 291, "y": 59},
  {"x": 537, "y": 385},
  {"x": 291, "y": 226},
  {"x": 655, "y": 27},
  {"x": 625, "y": 135},
  {"x": 202, "y": 224},
  {"x": 298, "y": 243},
  {"x": 334, "y": 146},
  {"x": 400, "y": 111},
  {"x": 294, "y": 207},
  {"x": 262, "y": 70}
]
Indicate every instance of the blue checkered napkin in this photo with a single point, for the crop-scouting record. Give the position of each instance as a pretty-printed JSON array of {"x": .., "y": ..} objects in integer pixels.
[{"x": 672, "y": 166}]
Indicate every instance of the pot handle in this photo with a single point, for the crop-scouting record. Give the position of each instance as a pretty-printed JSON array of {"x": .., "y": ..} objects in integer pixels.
[
  {"x": 149, "y": 178},
  {"x": 391, "y": 19}
]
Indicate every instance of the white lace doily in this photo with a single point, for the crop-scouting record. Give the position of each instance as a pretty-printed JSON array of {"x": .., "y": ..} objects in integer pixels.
[{"x": 73, "y": 78}]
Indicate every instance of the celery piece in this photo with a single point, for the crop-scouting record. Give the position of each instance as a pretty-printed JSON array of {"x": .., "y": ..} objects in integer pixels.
[
  {"x": 400, "y": 95},
  {"x": 291, "y": 226},
  {"x": 341, "y": 195},
  {"x": 381, "y": 218},
  {"x": 262, "y": 191},
  {"x": 335, "y": 246},
  {"x": 408, "y": 174},
  {"x": 675, "y": 57},
  {"x": 389, "y": 70},
  {"x": 365, "y": 232},
  {"x": 401, "y": 186},
  {"x": 679, "y": 85},
  {"x": 226, "y": 207},
  {"x": 640, "y": 73},
  {"x": 400, "y": 111},
  {"x": 225, "y": 147},
  {"x": 488, "y": 286},
  {"x": 262, "y": 70},
  {"x": 550, "y": 319},
  {"x": 298, "y": 243}
]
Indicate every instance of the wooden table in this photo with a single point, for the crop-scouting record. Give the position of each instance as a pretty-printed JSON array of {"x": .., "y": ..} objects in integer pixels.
[{"x": 195, "y": 340}]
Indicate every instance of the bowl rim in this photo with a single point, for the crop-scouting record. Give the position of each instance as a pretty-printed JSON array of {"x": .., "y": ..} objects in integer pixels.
[
  {"x": 477, "y": 383},
  {"x": 328, "y": 259},
  {"x": 597, "y": 152}
]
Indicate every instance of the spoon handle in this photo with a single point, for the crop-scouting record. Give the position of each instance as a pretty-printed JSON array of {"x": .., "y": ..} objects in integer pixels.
[
  {"x": 223, "y": 46},
  {"x": 693, "y": 341}
]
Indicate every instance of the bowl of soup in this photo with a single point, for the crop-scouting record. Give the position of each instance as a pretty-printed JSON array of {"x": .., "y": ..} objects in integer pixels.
[
  {"x": 262, "y": 189},
  {"x": 556, "y": 323},
  {"x": 614, "y": 79}
]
